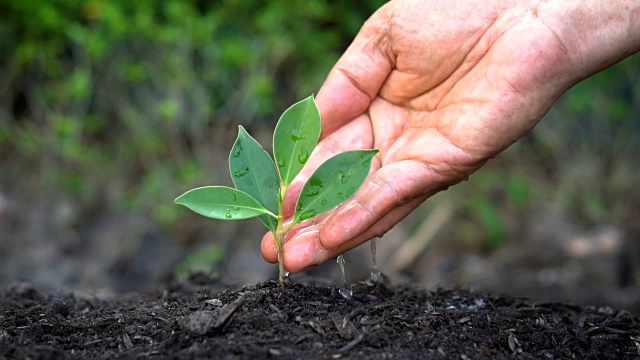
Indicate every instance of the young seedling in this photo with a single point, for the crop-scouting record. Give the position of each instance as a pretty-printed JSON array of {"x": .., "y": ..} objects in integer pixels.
[{"x": 261, "y": 185}]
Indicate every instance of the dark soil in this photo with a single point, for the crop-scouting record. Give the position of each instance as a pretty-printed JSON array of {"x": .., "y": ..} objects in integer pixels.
[{"x": 202, "y": 319}]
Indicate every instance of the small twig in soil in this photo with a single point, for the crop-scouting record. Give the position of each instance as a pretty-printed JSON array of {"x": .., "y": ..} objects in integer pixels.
[
  {"x": 228, "y": 310},
  {"x": 605, "y": 329},
  {"x": 302, "y": 338},
  {"x": 636, "y": 342},
  {"x": 351, "y": 316},
  {"x": 352, "y": 343},
  {"x": 314, "y": 326},
  {"x": 514, "y": 344},
  {"x": 127, "y": 341}
]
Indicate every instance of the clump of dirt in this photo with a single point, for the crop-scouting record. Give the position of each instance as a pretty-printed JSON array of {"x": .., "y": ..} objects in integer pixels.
[{"x": 204, "y": 319}]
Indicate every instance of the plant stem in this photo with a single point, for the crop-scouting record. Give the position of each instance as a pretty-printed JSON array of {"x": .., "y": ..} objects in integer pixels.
[{"x": 278, "y": 236}]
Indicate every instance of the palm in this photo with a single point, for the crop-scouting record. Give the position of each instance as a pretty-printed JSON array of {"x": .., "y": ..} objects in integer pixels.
[{"x": 436, "y": 107}]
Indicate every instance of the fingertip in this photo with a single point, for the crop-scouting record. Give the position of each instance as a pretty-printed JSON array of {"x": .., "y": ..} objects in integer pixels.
[
  {"x": 303, "y": 251},
  {"x": 268, "y": 248},
  {"x": 344, "y": 224}
]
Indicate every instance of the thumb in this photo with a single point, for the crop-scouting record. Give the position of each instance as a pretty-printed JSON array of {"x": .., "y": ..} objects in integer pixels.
[{"x": 357, "y": 77}]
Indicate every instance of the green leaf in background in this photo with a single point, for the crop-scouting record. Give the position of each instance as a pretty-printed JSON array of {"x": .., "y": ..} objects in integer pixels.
[
  {"x": 221, "y": 202},
  {"x": 253, "y": 172},
  {"x": 333, "y": 182},
  {"x": 492, "y": 222},
  {"x": 204, "y": 260},
  {"x": 295, "y": 136}
]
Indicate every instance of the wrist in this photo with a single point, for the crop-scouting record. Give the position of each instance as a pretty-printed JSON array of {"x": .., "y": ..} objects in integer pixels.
[{"x": 595, "y": 33}]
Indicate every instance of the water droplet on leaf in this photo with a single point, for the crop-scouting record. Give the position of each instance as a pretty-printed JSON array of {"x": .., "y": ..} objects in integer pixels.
[
  {"x": 314, "y": 187},
  {"x": 303, "y": 157},
  {"x": 297, "y": 135},
  {"x": 313, "y": 192},
  {"x": 281, "y": 163},
  {"x": 237, "y": 149},
  {"x": 324, "y": 202},
  {"x": 228, "y": 214},
  {"x": 307, "y": 214},
  {"x": 343, "y": 178},
  {"x": 241, "y": 172}
]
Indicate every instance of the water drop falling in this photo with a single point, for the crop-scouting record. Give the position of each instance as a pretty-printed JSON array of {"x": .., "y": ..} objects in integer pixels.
[
  {"x": 375, "y": 270},
  {"x": 345, "y": 289},
  {"x": 346, "y": 292}
]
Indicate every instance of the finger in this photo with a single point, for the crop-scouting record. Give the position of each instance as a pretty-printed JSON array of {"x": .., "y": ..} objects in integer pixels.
[
  {"x": 268, "y": 248},
  {"x": 357, "y": 77},
  {"x": 268, "y": 244},
  {"x": 394, "y": 187},
  {"x": 391, "y": 187},
  {"x": 306, "y": 249}
]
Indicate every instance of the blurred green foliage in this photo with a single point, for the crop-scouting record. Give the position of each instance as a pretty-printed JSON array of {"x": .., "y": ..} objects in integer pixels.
[
  {"x": 203, "y": 260},
  {"x": 580, "y": 164},
  {"x": 122, "y": 102},
  {"x": 587, "y": 148}
]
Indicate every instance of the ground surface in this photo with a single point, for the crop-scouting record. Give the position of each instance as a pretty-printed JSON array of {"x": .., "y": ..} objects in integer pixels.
[{"x": 202, "y": 319}]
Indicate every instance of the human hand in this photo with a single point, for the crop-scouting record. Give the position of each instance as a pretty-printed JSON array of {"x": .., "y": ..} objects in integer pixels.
[{"x": 439, "y": 88}]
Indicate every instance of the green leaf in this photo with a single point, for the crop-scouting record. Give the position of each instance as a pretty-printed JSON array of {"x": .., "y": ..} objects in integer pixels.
[
  {"x": 295, "y": 136},
  {"x": 253, "y": 172},
  {"x": 221, "y": 202},
  {"x": 203, "y": 260},
  {"x": 333, "y": 183}
]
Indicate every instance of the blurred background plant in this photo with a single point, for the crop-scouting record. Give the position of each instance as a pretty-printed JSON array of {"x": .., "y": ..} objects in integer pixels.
[
  {"x": 108, "y": 110},
  {"x": 117, "y": 106}
]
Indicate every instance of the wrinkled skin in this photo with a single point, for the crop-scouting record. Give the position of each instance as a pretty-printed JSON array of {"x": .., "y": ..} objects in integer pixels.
[{"x": 439, "y": 87}]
